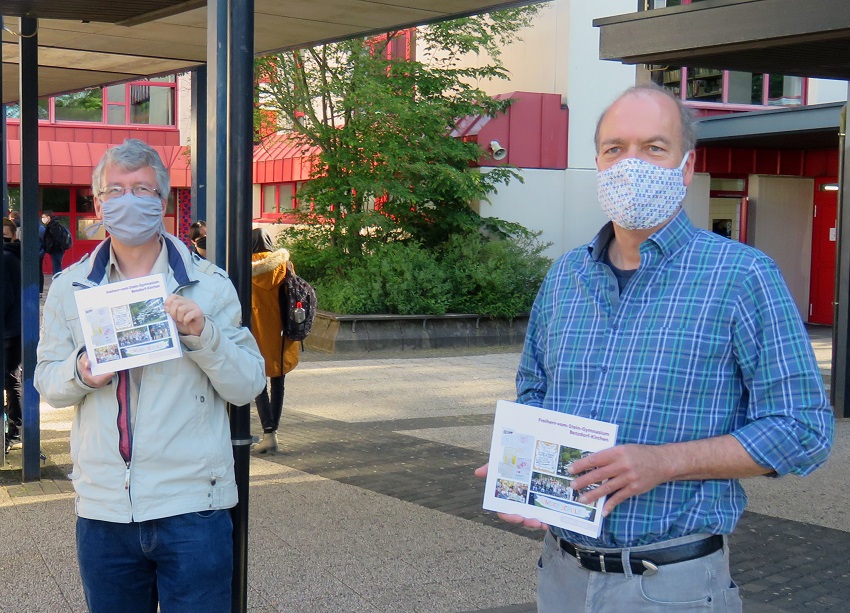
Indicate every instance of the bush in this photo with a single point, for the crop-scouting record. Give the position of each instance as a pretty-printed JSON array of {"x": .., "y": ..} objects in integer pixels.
[{"x": 495, "y": 273}]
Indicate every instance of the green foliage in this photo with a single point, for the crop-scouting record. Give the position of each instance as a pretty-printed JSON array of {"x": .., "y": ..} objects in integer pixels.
[
  {"x": 494, "y": 272},
  {"x": 383, "y": 128},
  {"x": 391, "y": 230}
]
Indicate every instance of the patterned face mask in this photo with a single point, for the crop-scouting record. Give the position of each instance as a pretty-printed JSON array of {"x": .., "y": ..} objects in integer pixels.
[{"x": 637, "y": 195}]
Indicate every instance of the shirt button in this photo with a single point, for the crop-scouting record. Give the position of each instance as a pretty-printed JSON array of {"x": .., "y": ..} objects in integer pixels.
[
  {"x": 603, "y": 368},
  {"x": 610, "y": 288},
  {"x": 615, "y": 326}
]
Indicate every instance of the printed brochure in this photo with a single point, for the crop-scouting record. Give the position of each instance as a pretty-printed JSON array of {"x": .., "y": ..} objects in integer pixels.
[
  {"x": 125, "y": 324},
  {"x": 530, "y": 456}
]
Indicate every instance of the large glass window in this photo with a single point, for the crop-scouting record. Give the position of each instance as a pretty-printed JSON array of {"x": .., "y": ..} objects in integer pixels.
[
  {"x": 13, "y": 111},
  {"x": 86, "y": 105},
  {"x": 56, "y": 199},
  {"x": 732, "y": 87},
  {"x": 784, "y": 91},
  {"x": 152, "y": 105},
  {"x": 269, "y": 199}
]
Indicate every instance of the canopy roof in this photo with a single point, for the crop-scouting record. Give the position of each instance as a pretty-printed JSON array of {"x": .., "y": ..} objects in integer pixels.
[
  {"x": 85, "y": 43},
  {"x": 808, "y": 38}
]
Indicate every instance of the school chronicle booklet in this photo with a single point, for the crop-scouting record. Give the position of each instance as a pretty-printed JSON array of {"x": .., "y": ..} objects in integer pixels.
[
  {"x": 530, "y": 455},
  {"x": 125, "y": 324}
]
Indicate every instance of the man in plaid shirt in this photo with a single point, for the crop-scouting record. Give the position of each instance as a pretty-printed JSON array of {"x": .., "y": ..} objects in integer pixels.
[{"x": 693, "y": 345}]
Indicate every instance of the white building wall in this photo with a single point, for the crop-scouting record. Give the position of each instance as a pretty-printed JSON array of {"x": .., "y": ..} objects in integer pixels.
[
  {"x": 536, "y": 204},
  {"x": 184, "y": 107},
  {"x": 822, "y": 91},
  {"x": 560, "y": 54},
  {"x": 777, "y": 205},
  {"x": 696, "y": 202},
  {"x": 592, "y": 84}
]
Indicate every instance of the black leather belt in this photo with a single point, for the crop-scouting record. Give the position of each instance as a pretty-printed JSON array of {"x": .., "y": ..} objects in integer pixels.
[{"x": 642, "y": 561}]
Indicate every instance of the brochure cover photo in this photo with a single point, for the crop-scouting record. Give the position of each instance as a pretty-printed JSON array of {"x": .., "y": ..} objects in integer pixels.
[
  {"x": 530, "y": 457},
  {"x": 125, "y": 324}
]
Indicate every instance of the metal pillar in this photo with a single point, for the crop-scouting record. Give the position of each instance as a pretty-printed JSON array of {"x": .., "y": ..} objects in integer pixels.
[
  {"x": 240, "y": 88},
  {"x": 4, "y": 202},
  {"x": 217, "y": 95},
  {"x": 840, "y": 381},
  {"x": 28, "y": 77},
  {"x": 199, "y": 143}
]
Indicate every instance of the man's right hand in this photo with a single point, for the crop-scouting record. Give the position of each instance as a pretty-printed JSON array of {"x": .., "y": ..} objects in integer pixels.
[
  {"x": 84, "y": 368},
  {"x": 534, "y": 524}
]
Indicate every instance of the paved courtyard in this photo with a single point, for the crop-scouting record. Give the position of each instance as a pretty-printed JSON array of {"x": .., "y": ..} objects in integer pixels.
[{"x": 373, "y": 505}]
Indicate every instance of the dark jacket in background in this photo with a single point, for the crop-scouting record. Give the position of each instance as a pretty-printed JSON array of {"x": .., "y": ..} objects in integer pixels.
[{"x": 11, "y": 291}]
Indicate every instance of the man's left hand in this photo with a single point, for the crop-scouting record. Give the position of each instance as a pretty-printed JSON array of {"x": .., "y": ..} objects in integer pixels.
[
  {"x": 627, "y": 470},
  {"x": 187, "y": 315}
]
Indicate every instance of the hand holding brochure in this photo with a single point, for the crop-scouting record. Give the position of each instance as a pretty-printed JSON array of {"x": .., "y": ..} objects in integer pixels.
[
  {"x": 530, "y": 455},
  {"x": 125, "y": 324}
]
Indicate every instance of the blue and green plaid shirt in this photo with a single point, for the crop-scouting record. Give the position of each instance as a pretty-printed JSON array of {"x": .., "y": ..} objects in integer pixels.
[{"x": 705, "y": 340}]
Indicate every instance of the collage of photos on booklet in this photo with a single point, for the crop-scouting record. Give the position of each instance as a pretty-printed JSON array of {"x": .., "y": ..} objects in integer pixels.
[
  {"x": 129, "y": 329},
  {"x": 537, "y": 473}
]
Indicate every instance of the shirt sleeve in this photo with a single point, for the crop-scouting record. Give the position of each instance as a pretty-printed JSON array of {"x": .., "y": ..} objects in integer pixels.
[
  {"x": 789, "y": 425},
  {"x": 531, "y": 379}
]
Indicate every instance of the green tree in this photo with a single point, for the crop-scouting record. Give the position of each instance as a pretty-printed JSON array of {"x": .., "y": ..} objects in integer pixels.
[{"x": 384, "y": 128}]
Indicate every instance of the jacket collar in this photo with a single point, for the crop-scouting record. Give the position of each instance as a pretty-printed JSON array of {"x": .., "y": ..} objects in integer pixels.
[{"x": 177, "y": 261}]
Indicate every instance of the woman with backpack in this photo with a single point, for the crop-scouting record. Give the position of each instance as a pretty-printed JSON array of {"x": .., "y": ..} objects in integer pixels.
[{"x": 268, "y": 271}]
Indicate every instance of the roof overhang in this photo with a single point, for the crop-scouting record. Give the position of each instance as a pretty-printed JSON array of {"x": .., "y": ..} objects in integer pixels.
[
  {"x": 789, "y": 37},
  {"x": 809, "y": 127},
  {"x": 84, "y": 43}
]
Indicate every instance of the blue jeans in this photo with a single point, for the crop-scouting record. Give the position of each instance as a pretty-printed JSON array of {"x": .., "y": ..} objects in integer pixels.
[
  {"x": 703, "y": 584},
  {"x": 183, "y": 562}
]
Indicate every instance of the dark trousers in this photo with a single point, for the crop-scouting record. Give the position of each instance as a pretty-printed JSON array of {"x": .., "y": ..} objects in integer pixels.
[
  {"x": 270, "y": 409},
  {"x": 56, "y": 260},
  {"x": 12, "y": 382},
  {"x": 41, "y": 274}
]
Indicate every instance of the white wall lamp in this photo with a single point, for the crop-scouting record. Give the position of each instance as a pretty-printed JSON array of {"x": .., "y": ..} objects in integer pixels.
[{"x": 499, "y": 152}]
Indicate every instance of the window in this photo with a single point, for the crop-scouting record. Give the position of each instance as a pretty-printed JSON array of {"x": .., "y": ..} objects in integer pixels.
[
  {"x": 282, "y": 198},
  {"x": 151, "y": 102},
  {"x": 56, "y": 199},
  {"x": 13, "y": 111},
  {"x": 270, "y": 201},
  {"x": 703, "y": 85},
  {"x": 86, "y": 105}
]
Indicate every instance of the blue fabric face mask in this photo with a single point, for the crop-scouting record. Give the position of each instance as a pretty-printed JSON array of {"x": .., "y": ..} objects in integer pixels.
[
  {"x": 637, "y": 195},
  {"x": 132, "y": 220}
]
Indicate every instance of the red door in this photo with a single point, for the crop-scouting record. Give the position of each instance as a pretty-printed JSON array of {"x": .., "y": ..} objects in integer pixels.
[{"x": 824, "y": 224}]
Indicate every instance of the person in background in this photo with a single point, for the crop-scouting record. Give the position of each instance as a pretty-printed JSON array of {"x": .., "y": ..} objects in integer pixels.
[
  {"x": 201, "y": 225},
  {"x": 16, "y": 217},
  {"x": 53, "y": 240},
  {"x": 692, "y": 344},
  {"x": 152, "y": 457},
  {"x": 12, "y": 333},
  {"x": 268, "y": 271},
  {"x": 198, "y": 240}
]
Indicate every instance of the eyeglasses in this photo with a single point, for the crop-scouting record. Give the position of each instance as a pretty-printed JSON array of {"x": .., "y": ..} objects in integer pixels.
[{"x": 115, "y": 191}]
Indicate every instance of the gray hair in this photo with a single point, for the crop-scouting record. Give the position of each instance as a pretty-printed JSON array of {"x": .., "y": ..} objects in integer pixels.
[
  {"x": 688, "y": 133},
  {"x": 132, "y": 155}
]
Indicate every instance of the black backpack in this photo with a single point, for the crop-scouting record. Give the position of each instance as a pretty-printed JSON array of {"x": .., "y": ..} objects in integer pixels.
[
  {"x": 297, "y": 305},
  {"x": 66, "y": 238},
  {"x": 56, "y": 238}
]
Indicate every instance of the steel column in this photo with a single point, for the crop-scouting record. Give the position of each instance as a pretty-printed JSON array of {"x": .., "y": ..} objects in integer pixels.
[
  {"x": 240, "y": 88},
  {"x": 840, "y": 380},
  {"x": 29, "y": 247},
  {"x": 198, "y": 145}
]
